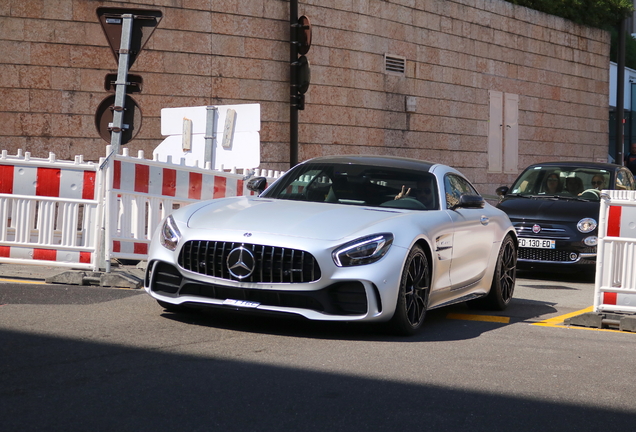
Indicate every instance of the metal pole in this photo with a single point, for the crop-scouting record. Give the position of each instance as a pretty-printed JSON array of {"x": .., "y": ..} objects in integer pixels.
[
  {"x": 120, "y": 85},
  {"x": 293, "y": 87},
  {"x": 620, "y": 93}
]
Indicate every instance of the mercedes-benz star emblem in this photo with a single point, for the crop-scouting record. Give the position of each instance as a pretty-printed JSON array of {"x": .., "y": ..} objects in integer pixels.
[
  {"x": 536, "y": 228},
  {"x": 240, "y": 262}
]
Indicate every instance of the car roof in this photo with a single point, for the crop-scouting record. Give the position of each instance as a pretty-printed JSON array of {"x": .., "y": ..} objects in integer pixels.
[
  {"x": 578, "y": 164},
  {"x": 387, "y": 161}
]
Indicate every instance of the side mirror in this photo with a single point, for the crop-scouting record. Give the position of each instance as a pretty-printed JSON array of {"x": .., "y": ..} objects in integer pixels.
[
  {"x": 502, "y": 191},
  {"x": 257, "y": 184},
  {"x": 470, "y": 201}
]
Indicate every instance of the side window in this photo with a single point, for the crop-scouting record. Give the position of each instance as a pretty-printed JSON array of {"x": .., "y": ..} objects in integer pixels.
[{"x": 455, "y": 187}]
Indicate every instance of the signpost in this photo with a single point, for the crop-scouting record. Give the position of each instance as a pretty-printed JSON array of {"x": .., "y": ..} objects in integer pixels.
[{"x": 118, "y": 118}]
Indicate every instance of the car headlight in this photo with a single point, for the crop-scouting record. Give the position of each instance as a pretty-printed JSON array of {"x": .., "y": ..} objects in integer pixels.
[
  {"x": 365, "y": 250},
  {"x": 170, "y": 234},
  {"x": 586, "y": 225}
]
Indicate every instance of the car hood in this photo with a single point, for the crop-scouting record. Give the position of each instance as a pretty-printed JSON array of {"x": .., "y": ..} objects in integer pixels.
[
  {"x": 288, "y": 218},
  {"x": 547, "y": 209}
]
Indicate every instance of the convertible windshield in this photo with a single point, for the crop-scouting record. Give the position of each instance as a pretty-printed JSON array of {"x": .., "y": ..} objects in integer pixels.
[
  {"x": 362, "y": 185},
  {"x": 567, "y": 182}
]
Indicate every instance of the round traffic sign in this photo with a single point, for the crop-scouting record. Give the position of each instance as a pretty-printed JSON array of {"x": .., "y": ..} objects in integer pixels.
[{"x": 104, "y": 119}]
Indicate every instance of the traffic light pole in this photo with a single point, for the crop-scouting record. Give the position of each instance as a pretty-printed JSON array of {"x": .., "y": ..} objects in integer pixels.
[{"x": 293, "y": 87}]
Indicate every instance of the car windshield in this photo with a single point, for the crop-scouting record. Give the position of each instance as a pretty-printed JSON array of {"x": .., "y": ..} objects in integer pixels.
[
  {"x": 354, "y": 184},
  {"x": 562, "y": 182}
]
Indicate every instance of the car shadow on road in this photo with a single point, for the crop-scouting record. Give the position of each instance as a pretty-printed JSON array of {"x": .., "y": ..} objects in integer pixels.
[
  {"x": 458, "y": 322},
  {"x": 564, "y": 276},
  {"x": 54, "y": 383}
]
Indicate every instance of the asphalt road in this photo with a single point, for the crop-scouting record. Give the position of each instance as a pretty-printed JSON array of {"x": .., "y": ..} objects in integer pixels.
[{"x": 100, "y": 359}]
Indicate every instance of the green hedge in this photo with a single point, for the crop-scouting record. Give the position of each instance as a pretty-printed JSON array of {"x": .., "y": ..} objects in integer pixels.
[
  {"x": 594, "y": 13},
  {"x": 605, "y": 14}
]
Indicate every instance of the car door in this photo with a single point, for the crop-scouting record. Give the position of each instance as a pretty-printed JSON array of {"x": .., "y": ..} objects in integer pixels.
[{"x": 472, "y": 239}]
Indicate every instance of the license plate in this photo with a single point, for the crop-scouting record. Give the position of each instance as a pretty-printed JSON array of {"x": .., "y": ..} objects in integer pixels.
[
  {"x": 241, "y": 303},
  {"x": 536, "y": 243}
]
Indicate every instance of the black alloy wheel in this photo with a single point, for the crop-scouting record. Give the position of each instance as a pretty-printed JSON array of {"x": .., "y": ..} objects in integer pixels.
[
  {"x": 503, "y": 280},
  {"x": 413, "y": 294}
]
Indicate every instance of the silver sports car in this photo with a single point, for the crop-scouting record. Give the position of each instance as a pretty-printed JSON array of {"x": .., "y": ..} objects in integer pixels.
[{"x": 344, "y": 238}]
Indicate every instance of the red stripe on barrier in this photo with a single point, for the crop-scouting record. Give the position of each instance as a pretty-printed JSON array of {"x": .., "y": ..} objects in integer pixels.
[
  {"x": 116, "y": 246},
  {"x": 614, "y": 221},
  {"x": 142, "y": 177},
  {"x": 45, "y": 254},
  {"x": 140, "y": 248},
  {"x": 117, "y": 174},
  {"x": 48, "y": 182},
  {"x": 239, "y": 187},
  {"x": 610, "y": 298},
  {"x": 194, "y": 190},
  {"x": 5, "y": 252},
  {"x": 85, "y": 257},
  {"x": 169, "y": 187},
  {"x": 220, "y": 184},
  {"x": 88, "y": 189},
  {"x": 6, "y": 179}
]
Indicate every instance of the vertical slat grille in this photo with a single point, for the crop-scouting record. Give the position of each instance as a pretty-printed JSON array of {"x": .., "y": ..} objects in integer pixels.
[{"x": 272, "y": 264}]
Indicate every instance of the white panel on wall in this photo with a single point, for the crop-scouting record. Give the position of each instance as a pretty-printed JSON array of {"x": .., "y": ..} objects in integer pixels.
[
  {"x": 511, "y": 133},
  {"x": 495, "y": 138}
]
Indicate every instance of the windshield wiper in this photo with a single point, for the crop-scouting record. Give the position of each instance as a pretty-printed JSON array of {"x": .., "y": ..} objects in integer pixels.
[{"x": 562, "y": 197}]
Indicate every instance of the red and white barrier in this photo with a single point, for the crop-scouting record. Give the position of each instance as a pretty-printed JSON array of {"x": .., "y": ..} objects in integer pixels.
[
  {"x": 48, "y": 211},
  {"x": 81, "y": 214},
  {"x": 615, "y": 284},
  {"x": 142, "y": 192}
]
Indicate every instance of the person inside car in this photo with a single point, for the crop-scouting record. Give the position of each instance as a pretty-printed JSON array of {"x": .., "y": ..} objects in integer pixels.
[
  {"x": 574, "y": 185},
  {"x": 552, "y": 184},
  {"x": 424, "y": 193},
  {"x": 598, "y": 182}
]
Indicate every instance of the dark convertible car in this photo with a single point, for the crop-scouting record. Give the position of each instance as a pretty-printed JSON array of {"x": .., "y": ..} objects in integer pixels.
[{"x": 554, "y": 207}]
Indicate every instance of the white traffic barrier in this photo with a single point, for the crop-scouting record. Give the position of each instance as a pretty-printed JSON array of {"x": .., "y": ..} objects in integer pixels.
[
  {"x": 141, "y": 192},
  {"x": 75, "y": 214},
  {"x": 615, "y": 283},
  {"x": 49, "y": 211}
]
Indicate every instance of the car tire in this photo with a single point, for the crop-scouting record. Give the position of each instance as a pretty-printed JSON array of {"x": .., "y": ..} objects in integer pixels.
[
  {"x": 503, "y": 280},
  {"x": 413, "y": 294}
]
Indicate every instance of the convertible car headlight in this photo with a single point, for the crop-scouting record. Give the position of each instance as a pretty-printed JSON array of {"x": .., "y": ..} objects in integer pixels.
[
  {"x": 170, "y": 234},
  {"x": 586, "y": 225},
  {"x": 365, "y": 250}
]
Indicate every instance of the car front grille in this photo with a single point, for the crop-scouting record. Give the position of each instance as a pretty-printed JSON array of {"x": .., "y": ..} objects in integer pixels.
[
  {"x": 271, "y": 264},
  {"x": 341, "y": 298},
  {"x": 544, "y": 255},
  {"x": 550, "y": 231},
  {"x": 554, "y": 255}
]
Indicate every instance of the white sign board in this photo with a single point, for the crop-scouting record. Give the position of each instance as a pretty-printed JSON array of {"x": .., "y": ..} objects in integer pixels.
[{"x": 225, "y": 135}]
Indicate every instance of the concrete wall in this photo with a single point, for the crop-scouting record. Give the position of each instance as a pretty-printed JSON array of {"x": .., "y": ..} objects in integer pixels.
[{"x": 55, "y": 57}]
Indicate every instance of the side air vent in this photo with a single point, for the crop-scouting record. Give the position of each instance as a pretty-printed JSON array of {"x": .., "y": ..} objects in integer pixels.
[{"x": 394, "y": 64}]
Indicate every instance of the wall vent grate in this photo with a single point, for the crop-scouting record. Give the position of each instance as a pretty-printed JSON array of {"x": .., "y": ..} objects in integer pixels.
[{"x": 394, "y": 64}]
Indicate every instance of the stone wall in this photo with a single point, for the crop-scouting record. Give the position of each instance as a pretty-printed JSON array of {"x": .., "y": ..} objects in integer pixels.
[{"x": 55, "y": 57}]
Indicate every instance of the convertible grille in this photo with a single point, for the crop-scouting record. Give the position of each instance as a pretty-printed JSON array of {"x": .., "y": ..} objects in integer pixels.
[
  {"x": 546, "y": 231},
  {"x": 271, "y": 264},
  {"x": 544, "y": 255}
]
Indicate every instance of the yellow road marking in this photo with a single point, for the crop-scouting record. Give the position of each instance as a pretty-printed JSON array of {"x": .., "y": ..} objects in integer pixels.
[
  {"x": 22, "y": 281},
  {"x": 560, "y": 320},
  {"x": 486, "y": 318}
]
